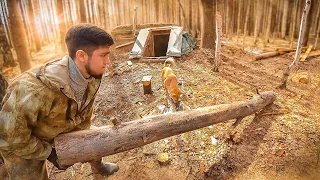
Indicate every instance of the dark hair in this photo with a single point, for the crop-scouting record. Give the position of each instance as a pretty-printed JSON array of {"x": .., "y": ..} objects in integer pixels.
[{"x": 86, "y": 37}]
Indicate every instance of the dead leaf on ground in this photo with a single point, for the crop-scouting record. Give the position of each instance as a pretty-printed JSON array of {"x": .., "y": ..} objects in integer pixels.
[{"x": 281, "y": 152}]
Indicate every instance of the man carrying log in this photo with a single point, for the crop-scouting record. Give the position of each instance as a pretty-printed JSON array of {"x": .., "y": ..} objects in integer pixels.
[{"x": 52, "y": 99}]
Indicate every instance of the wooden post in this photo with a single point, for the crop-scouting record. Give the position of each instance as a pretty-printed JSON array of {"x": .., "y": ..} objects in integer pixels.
[
  {"x": 300, "y": 41},
  {"x": 218, "y": 41},
  {"x": 92, "y": 144},
  {"x": 146, "y": 82}
]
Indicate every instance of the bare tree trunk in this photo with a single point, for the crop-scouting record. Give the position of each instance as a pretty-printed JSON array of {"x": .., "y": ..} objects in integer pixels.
[
  {"x": 86, "y": 145},
  {"x": 218, "y": 42},
  {"x": 233, "y": 17},
  {"x": 300, "y": 41},
  {"x": 122, "y": 13},
  {"x": 227, "y": 20},
  {"x": 208, "y": 37},
  {"x": 239, "y": 18},
  {"x": 317, "y": 37},
  {"x": 34, "y": 29},
  {"x": 198, "y": 18},
  {"x": 299, "y": 15},
  {"x": 157, "y": 9},
  {"x": 316, "y": 18},
  {"x": 5, "y": 50},
  {"x": 172, "y": 11},
  {"x": 190, "y": 15},
  {"x": 246, "y": 24},
  {"x": 26, "y": 23},
  {"x": 258, "y": 21},
  {"x": 96, "y": 12},
  {"x": 309, "y": 24},
  {"x": 83, "y": 18},
  {"x": 5, "y": 22},
  {"x": 108, "y": 20},
  {"x": 134, "y": 21},
  {"x": 102, "y": 16},
  {"x": 276, "y": 27},
  {"x": 293, "y": 23},
  {"x": 184, "y": 21},
  {"x": 194, "y": 18},
  {"x": 267, "y": 35},
  {"x": 284, "y": 19},
  {"x": 144, "y": 10},
  {"x": 276, "y": 19},
  {"x": 19, "y": 36},
  {"x": 317, "y": 27},
  {"x": 62, "y": 25}
]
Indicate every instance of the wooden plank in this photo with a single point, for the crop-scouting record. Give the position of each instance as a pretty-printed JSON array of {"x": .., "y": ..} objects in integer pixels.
[{"x": 305, "y": 55}]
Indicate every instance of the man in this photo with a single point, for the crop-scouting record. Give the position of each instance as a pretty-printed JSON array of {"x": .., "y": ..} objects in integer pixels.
[{"x": 54, "y": 98}]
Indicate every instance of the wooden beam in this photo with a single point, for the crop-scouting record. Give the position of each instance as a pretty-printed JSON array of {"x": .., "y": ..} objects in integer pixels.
[
  {"x": 305, "y": 55},
  {"x": 92, "y": 144}
]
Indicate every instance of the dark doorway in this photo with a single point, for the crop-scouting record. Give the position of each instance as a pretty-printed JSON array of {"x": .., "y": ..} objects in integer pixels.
[{"x": 161, "y": 44}]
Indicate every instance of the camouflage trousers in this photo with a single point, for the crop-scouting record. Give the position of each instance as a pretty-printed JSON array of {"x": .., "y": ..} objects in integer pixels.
[{"x": 22, "y": 169}]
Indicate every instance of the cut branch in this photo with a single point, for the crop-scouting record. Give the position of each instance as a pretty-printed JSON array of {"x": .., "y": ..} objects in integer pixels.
[{"x": 86, "y": 145}]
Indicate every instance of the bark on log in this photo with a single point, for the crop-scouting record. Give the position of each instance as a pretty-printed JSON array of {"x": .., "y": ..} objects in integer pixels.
[
  {"x": 266, "y": 55},
  {"x": 86, "y": 145}
]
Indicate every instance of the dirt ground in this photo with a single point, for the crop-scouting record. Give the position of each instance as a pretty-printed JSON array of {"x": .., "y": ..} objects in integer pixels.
[{"x": 280, "y": 142}]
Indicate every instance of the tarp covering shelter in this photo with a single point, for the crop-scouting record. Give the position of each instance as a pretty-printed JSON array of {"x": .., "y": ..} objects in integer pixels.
[{"x": 162, "y": 42}]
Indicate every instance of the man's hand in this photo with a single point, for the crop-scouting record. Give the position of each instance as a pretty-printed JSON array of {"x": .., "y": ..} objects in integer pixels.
[{"x": 53, "y": 158}]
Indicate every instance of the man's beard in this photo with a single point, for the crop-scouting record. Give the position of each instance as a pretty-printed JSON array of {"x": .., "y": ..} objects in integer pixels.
[{"x": 88, "y": 69}]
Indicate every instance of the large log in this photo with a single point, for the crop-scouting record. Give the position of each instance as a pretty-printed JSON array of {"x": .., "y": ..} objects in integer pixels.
[{"x": 86, "y": 145}]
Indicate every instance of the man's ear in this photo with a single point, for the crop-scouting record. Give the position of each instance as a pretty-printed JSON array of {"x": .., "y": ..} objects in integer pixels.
[{"x": 81, "y": 55}]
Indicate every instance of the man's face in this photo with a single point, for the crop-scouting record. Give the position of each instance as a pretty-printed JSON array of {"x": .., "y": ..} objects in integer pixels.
[{"x": 96, "y": 64}]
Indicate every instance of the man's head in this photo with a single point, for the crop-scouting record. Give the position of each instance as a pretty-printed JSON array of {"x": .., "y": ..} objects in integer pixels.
[{"x": 89, "y": 46}]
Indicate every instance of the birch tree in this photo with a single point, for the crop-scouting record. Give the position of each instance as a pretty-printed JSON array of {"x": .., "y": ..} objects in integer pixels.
[{"x": 300, "y": 41}]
